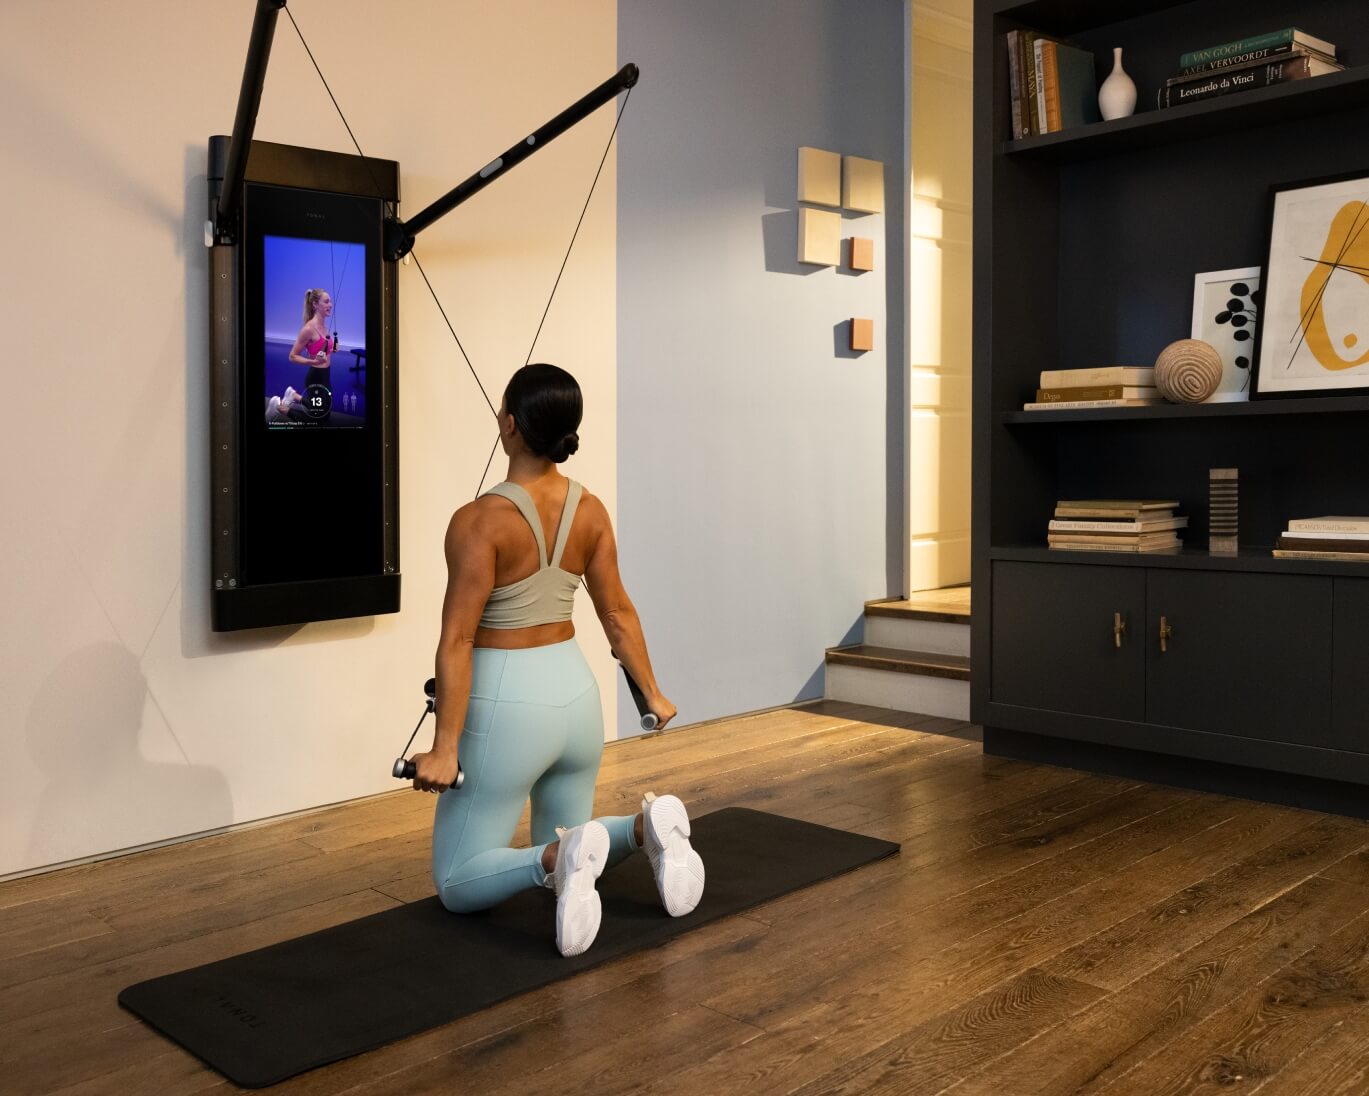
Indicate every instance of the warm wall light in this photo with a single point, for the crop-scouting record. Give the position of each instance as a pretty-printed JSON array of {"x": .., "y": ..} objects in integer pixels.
[
  {"x": 819, "y": 177},
  {"x": 819, "y": 237},
  {"x": 862, "y": 334}
]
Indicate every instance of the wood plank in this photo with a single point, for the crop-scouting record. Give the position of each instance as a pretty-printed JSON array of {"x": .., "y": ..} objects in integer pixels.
[
  {"x": 1131, "y": 948},
  {"x": 928, "y": 1057},
  {"x": 1142, "y": 1019},
  {"x": 1248, "y": 1041},
  {"x": 1337, "y": 1064}
]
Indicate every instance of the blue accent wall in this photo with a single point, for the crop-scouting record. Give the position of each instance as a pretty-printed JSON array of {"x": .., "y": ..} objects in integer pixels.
[{"x": 759, "y": 460}]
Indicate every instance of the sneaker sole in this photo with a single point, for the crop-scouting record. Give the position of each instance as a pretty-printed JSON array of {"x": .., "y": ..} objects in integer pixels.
[
  {"x": 680, "y": 879},
  {"x": 578, "y": 909}
]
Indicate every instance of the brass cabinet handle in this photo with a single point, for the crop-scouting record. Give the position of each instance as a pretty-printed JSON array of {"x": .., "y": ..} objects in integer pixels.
[
  {"x": 1119, "y": 627},
  {"x": 1165, "y": 632}
]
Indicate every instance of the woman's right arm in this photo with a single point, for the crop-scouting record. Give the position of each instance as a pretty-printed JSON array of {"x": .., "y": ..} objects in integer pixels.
[
  {"x": 618, "y": 615},
  {"x": 295, "y": 351}
]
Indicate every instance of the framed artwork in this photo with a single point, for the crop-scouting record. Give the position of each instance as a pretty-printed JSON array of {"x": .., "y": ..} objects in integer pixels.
[
  {"x": 1312, "y": 336},
  {"x": 1226, "y": 304}
]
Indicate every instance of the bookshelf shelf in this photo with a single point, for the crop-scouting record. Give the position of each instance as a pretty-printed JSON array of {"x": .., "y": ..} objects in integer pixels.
[
  {"x": 1335, "y": 91},
  {"x": 1309, "y": 406},
  {"x": 1250, "y": 558}
]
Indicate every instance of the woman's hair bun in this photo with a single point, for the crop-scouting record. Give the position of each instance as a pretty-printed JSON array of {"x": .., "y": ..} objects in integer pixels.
[{"x": 569, "y": 444}]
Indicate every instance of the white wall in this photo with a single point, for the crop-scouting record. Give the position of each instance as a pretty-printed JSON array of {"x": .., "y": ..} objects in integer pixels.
[
  {"x": 761, "y": 468},
  {"x": 125, "y": 720}
]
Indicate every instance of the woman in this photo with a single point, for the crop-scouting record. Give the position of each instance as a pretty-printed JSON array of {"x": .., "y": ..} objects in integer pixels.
[
  {"x": 517, "y": 701},
  {"x": 313, "y": 346}
]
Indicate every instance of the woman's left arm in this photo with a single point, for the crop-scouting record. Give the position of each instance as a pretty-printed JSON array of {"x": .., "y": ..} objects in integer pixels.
[{"x": 470, "y": 578}]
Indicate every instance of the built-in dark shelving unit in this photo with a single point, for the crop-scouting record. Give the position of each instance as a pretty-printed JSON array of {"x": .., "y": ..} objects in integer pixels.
[{"x": 1086, "y": 246}]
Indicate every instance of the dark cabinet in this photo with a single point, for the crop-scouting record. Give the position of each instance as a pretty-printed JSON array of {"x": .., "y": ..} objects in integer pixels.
[
  {"x": 1248, "y": 655},
  {"x": 1065, "y": 638},
  {"x": 1350, "y": 690},
  {"x": 1241, "y": 654}
]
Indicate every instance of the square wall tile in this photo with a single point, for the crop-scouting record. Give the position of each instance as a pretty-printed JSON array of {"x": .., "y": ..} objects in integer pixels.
[
  {"x": 819, "y": 237},
  {"x": 820, "y": 177},
  {"x": 862, "y": 184}
]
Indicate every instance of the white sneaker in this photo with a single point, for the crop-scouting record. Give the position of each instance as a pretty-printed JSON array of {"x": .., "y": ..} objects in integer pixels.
[
  {"x": 290, "y": 397},
  {"x": 273, "y": 409},
  {"x": 579, "y": 862},
  {"x": 679, "y": 869}
]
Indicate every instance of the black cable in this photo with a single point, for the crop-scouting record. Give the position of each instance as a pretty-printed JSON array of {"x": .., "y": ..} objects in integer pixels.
[{"x": 436, "y": 300}]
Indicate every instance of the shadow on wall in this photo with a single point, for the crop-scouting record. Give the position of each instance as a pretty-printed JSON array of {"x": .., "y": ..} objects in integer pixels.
[
  {"x": 816, "y": 685},
  {"x": 100, "y": 792},
  {"x": 781, "y": 237},
  {"x": 197, "y": 636}
]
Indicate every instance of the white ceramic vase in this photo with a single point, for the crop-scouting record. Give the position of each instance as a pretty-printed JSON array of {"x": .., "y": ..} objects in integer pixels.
[{"x": 1117, "y": 96}]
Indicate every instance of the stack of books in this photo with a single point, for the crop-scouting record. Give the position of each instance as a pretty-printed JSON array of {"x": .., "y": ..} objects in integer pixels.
[
  {"x": 1051, "y": 84},
  {"x": 1259, "y": 62},
  {"x": 1345, "y": 538},
  {"x": 1115, "y": 525},
  {"x": 1104, "y": 386}
]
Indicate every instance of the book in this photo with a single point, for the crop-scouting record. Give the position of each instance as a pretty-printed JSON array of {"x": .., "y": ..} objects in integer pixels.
[
  {"x": 1142, "y": 525},
  {"x": 1121, "y": 515},
  {"x": 1085, "y": 538},
  {"x": 1116, "y": 547},
  {"x": 1268, "y": 53},
  {"x": 1120, "y": 504},
  {"x": 1345, "y": 557},
  {"x": 1066, "y": 405},
  {"x": 1071, "y": 87},
  {"x": 1285, "y": 36},
  {"x": 1027, "y": 42},
  {"x": 1019, "y": 117},
  {"x": 1098, "y": 392},
  {"x": 1333, "y": 523},
  {"x": 1099, "y": 375},
  {"x": 1038, "y": 61},
  {"x": 1347, "y": 547},
  {"x": 1320, "y": 535},
  {"x": 1262, "y": 74}
]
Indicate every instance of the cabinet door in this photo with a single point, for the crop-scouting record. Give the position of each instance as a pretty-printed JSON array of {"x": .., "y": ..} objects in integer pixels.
[
  {"x": 1350, "y": 677},
  {"x": 1248, "y": 654},
  {"x": 1054, "y": 644}
]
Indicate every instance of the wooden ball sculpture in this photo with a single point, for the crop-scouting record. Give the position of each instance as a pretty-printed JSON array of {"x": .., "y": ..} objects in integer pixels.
[{"x": 1188, "y": 371}]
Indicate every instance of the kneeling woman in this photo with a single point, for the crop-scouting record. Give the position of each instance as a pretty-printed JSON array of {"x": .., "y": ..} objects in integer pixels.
[{"x": 517, "y": 701}]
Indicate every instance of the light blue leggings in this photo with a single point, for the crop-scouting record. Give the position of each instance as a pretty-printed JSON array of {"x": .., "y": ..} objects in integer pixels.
[{"x": 535, "y": 728}]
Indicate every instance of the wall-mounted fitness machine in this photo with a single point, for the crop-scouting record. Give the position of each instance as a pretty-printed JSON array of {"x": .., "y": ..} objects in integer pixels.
[{"x": 304, "y": 361}]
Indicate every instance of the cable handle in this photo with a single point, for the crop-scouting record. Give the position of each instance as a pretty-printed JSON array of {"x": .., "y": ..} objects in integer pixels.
[
  {"x": 406, "y": 770},
  {"x": 649, "y": 719}
]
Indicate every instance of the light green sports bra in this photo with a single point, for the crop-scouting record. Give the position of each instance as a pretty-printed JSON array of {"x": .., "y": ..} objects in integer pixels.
[{"x": 546, "y": 596}]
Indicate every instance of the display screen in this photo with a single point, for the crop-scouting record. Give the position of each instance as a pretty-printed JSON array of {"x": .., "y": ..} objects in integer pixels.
[
  {"x": 314, "y": 355},
  {"x": 312, "y": 444}
]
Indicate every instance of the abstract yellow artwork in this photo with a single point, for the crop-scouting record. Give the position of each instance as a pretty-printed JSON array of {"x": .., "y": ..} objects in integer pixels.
[{"x": 1314, "y": 325}]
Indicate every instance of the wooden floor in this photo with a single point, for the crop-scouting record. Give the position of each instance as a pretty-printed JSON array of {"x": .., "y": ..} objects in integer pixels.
[{"x": 1042, "y": 931}]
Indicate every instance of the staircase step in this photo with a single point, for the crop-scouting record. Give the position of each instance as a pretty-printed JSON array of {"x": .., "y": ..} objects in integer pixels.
[
  {"x": 925, "y": 663},
  {"x": 950, "y": 605}
]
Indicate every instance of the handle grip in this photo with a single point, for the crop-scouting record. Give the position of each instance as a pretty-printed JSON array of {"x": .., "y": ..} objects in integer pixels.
[
  {"x": 649, "y": 719},
  {"x": 407, "y": 770}
]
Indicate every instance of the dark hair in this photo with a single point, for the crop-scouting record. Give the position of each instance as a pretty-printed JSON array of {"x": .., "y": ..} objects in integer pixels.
[{"x": 546, "y": 406}]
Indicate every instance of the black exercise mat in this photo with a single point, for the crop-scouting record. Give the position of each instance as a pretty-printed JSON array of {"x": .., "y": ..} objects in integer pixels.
[{"x": 261, "y": 1017}]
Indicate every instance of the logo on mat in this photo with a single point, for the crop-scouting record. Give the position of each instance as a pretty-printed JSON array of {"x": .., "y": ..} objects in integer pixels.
[{"x": 237, "y": 1012}]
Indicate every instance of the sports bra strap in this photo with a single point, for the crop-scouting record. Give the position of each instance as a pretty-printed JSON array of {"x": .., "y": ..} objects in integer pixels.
[
  {"x": 567, "y": 517},
  {"x": 520, "y": 498}
]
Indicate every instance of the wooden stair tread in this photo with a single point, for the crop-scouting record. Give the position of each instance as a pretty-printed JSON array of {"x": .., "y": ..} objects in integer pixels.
[
  {"x": 951, "y": 606},
  {"x": 893, "y": 658}
]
